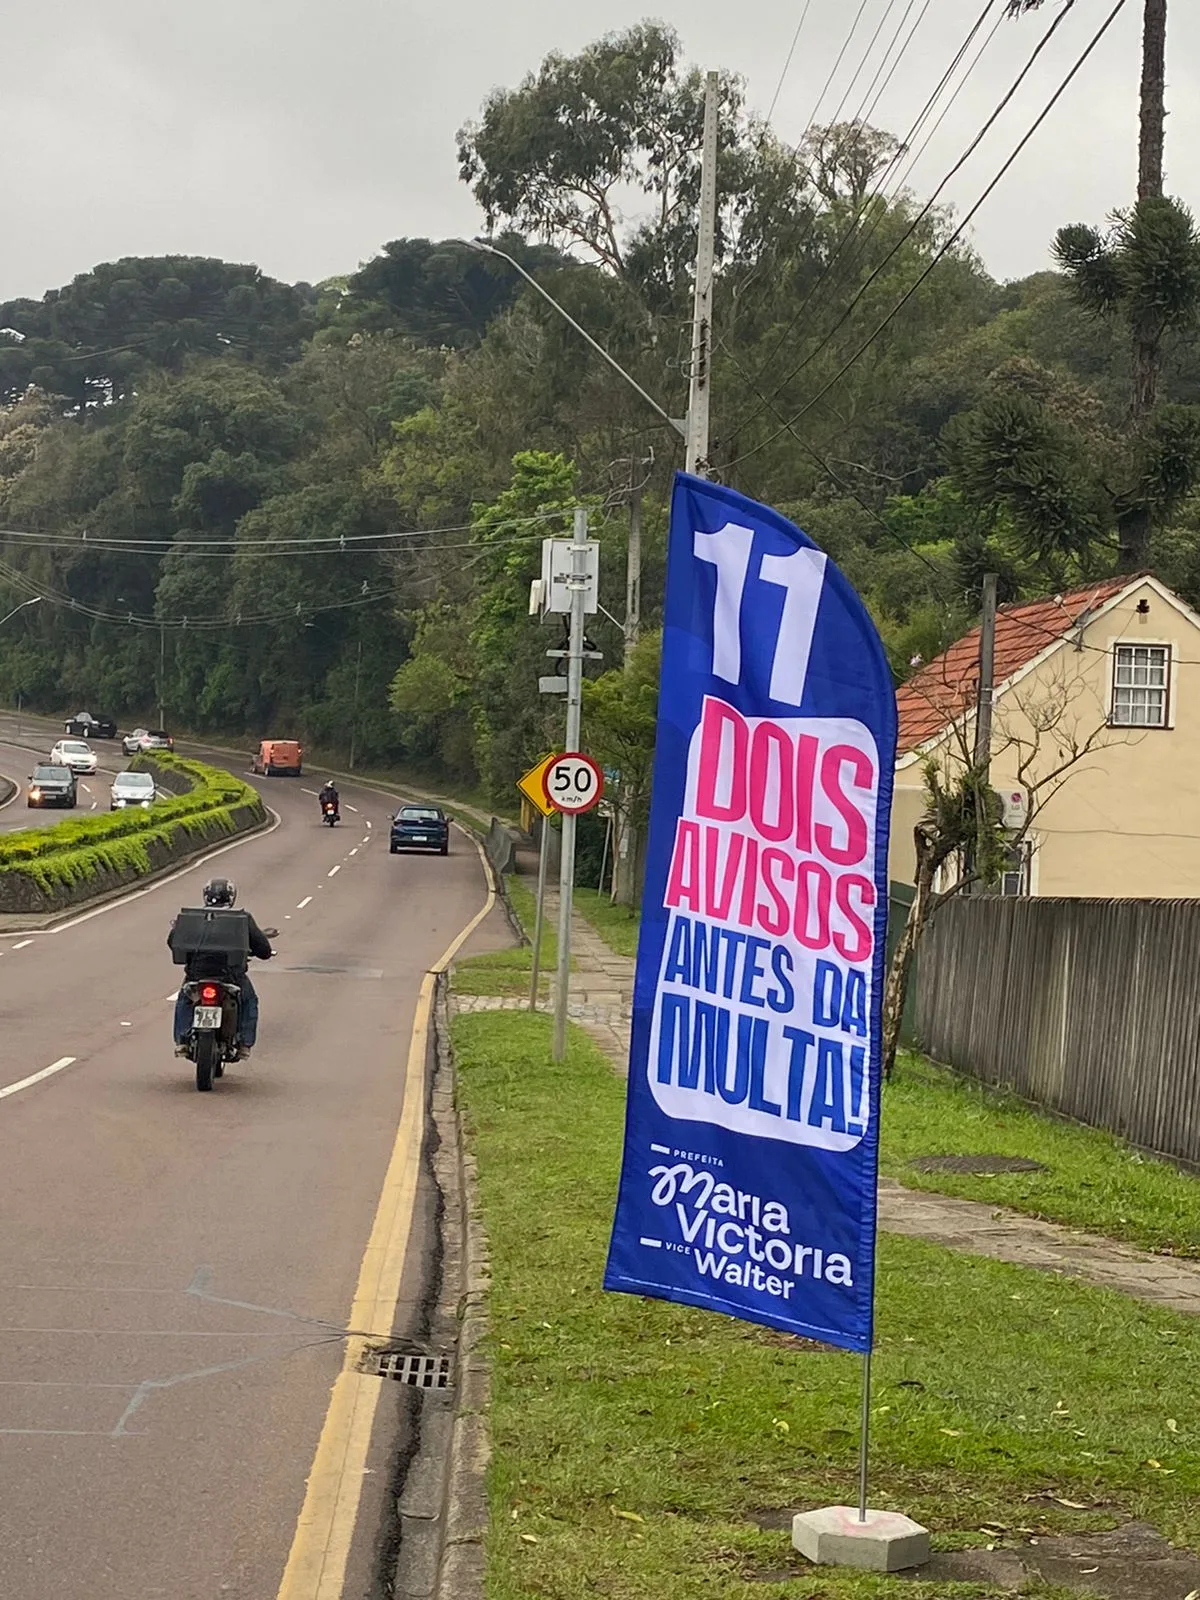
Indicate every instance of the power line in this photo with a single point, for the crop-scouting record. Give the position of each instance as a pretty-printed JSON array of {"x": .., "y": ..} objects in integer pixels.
[
  {"x": 833, "y": 71},
  {"x": 325, "y": 543},
  {"x": 787, "y": 426},
  {"x": 788, "y": 62},
  {"x": 881, "y": 192},
  {"x": 916, "y": 222}
]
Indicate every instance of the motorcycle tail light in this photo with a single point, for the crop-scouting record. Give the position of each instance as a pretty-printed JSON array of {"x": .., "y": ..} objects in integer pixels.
[{"x": 209, "y": 994}]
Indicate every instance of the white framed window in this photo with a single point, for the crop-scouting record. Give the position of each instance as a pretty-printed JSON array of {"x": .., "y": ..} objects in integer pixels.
[{"x": 1141, "y": 685}]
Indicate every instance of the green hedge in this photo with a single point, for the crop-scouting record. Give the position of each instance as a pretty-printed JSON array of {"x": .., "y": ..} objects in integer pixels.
[{"x": 130, "y": 843}]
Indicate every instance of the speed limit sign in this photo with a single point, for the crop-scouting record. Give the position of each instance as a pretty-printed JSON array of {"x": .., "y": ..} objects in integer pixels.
[{"x": 573, "y": 783}]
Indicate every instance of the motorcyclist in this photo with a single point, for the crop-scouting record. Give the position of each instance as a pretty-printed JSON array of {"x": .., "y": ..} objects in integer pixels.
[
  {"x": 329, "y": 794},
  {"x": 222, "y": 893}
]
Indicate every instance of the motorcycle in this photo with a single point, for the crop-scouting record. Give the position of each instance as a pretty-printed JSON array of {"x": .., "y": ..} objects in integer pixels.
[
  {"x": 212, "y": 1041},
  {"x": 330, "y": 812}
]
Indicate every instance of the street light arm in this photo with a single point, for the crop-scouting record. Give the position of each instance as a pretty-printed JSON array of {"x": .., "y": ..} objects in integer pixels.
[
  {"x": 490, "y": 249},
  {"x": 35, "y": 601}
]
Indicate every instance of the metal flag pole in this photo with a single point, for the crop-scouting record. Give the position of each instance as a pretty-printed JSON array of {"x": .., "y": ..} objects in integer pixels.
[
  {"x": 540, "y": 917},
  {"x": 864, "y": 1444}
]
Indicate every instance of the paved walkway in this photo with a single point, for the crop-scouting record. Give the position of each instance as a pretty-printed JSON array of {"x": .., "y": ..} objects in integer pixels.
[{"x": 601, "y": 997}]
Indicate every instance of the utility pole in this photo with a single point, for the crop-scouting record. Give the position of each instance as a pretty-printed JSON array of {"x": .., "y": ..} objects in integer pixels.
[
  {"x": 354, "y": 717},
  {"x": 701, "y": 373},
  {"x": 162, "y": 672},
  {"x": 566, "y": 876},
  {"x": 633, "y": 562},
  {"x": 983, "y": 713}
]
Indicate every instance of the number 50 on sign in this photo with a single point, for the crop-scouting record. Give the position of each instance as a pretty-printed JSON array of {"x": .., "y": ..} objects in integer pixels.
[{"x": 573, "y": 783}]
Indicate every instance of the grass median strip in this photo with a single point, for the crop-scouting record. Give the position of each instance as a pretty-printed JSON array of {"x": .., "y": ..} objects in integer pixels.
[
  {"x": 639, "y": 1448},
  {"x": 1090, "y": 1180},
  {"x": 45, "y": 860}
]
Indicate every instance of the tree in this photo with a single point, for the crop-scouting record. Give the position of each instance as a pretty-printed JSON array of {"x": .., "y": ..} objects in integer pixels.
[
  {"x": 91, "y": 340},
  {"x": 557, "y": 157},
  {"x": 442, "y": 294},
  {"x": 620, "y": 718},
  {"x": 1039, "y": 460},
  {"x": 844, "y": 160},
  {"x": 1146, "y": 270},
  {"x": 1040, "y": 735}
]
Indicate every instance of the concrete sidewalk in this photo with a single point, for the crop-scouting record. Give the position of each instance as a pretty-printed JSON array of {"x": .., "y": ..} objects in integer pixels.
[
  {"x": 601, "y": 998},
  {"x": 601, "y": 1002}
]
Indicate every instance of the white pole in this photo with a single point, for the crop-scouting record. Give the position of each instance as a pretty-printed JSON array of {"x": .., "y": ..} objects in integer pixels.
[
  {"x": 566, "y": 876},
  {"x": 701, "y": 374},
  {"x": 864, "y": 1443}
]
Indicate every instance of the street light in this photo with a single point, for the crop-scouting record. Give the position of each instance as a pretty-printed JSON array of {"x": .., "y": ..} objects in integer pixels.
[
  {"x": 490, "y": 250},
  {"x": 35, "y": 601}
]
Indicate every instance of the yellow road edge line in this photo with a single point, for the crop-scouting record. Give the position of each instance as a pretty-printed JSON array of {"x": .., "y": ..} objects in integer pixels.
[{"x": 316, "y": 1565}]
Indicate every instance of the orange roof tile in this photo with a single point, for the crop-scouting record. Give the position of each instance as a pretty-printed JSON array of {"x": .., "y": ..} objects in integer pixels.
[{"x": 940, "y": 692}]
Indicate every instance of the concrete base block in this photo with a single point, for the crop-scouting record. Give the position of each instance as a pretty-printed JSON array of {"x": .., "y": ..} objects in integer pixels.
[{"x": 887, "y": 1541}]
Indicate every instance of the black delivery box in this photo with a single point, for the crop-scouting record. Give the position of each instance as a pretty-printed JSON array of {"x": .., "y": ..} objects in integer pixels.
[{"x": 214, "y": 931}]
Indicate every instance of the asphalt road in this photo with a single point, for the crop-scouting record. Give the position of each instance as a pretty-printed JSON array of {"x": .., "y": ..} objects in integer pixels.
[
  {"x": 17, "y": 762},
  {"x": 176, "y": 1269}
]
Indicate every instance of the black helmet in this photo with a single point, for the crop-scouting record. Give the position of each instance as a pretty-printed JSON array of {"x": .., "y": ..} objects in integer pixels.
[{"x": 220, "y": 892}]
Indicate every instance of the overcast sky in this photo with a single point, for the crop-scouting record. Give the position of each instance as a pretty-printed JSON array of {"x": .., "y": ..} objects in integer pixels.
[{"x": 303, "y": 135}]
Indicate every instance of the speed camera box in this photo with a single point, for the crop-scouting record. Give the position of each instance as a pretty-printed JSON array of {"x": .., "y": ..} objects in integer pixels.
[{"x": 211, "y": 931}]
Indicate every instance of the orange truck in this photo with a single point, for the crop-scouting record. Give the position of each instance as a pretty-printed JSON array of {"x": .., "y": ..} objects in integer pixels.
[{"x": 278, "y": 756}]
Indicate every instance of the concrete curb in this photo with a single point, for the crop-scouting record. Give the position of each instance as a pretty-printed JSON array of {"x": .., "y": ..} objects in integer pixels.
[
  {"x": 461, "y": 1576},
  {"x": 8, "y": 792},
  {"x": 441, "y": 1508}
]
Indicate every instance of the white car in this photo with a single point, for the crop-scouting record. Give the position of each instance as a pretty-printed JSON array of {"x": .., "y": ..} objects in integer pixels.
[
  {"x": 74, "y": 753},
  {"x": 132, "y": 789}
]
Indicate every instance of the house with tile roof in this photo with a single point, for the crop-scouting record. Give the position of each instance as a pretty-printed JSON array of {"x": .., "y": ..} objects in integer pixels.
[{"x": 1096, "y": 735}]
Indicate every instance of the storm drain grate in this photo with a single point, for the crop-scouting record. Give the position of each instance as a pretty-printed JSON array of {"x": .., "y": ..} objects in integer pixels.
[{"x": 419, "y": 1372}]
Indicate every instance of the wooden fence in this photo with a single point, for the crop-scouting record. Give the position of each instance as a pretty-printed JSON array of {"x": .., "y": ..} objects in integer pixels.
[{"x": 1089, "y": 1007}]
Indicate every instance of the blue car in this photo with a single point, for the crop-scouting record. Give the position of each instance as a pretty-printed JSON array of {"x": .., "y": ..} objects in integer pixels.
[{"x": 420, "y": 828}]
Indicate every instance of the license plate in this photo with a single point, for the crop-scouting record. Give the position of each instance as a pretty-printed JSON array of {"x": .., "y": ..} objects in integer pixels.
[
  {"x": 207, "y": 1018},
  {"x": 420, "y": 838}
]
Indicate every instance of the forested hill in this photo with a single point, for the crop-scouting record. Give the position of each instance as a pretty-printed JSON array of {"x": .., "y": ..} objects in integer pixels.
[{"x": 318, "y": 508}]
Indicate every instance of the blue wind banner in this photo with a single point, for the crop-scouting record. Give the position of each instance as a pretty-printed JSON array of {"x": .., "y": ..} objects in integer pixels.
[{"x": 750, "y": 1166}]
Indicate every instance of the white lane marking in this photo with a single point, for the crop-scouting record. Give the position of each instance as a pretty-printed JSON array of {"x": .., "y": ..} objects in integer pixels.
[
  {"x": 190, "y": 866},
  {"x": 127, "y": 1024},
  {"x": 333, "y": 872},
  {"x": 356, "y": 849},
  {"x": 94, "y": 804},
  {"x": 173, "y": 996},
  {"x": 46, "y": 1072},
  {"x": 349, "y": 807},
  {"x": 370, "y": 824},
  {"x": 22, "y": 944},
  {"x": 305, "y": 902},
  {"x": 312, "y": 792}
]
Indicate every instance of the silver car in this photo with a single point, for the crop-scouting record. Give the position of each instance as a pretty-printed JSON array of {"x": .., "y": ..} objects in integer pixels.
[
  {"x": 73, "y": 753},
  {"x": 132, "y": 789}
]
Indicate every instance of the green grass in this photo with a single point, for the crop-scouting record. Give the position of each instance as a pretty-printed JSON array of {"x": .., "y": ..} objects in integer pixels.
[
  {"x": 616, "y": 925},
  {"x": 635, "y": 1442},
  {"x": 508, "y": 972},
  {"x": 1091, "y": 1181}
]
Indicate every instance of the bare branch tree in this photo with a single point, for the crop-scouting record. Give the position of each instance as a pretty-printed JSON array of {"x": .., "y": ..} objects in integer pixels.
[{"x": 1043, "y": 735}]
